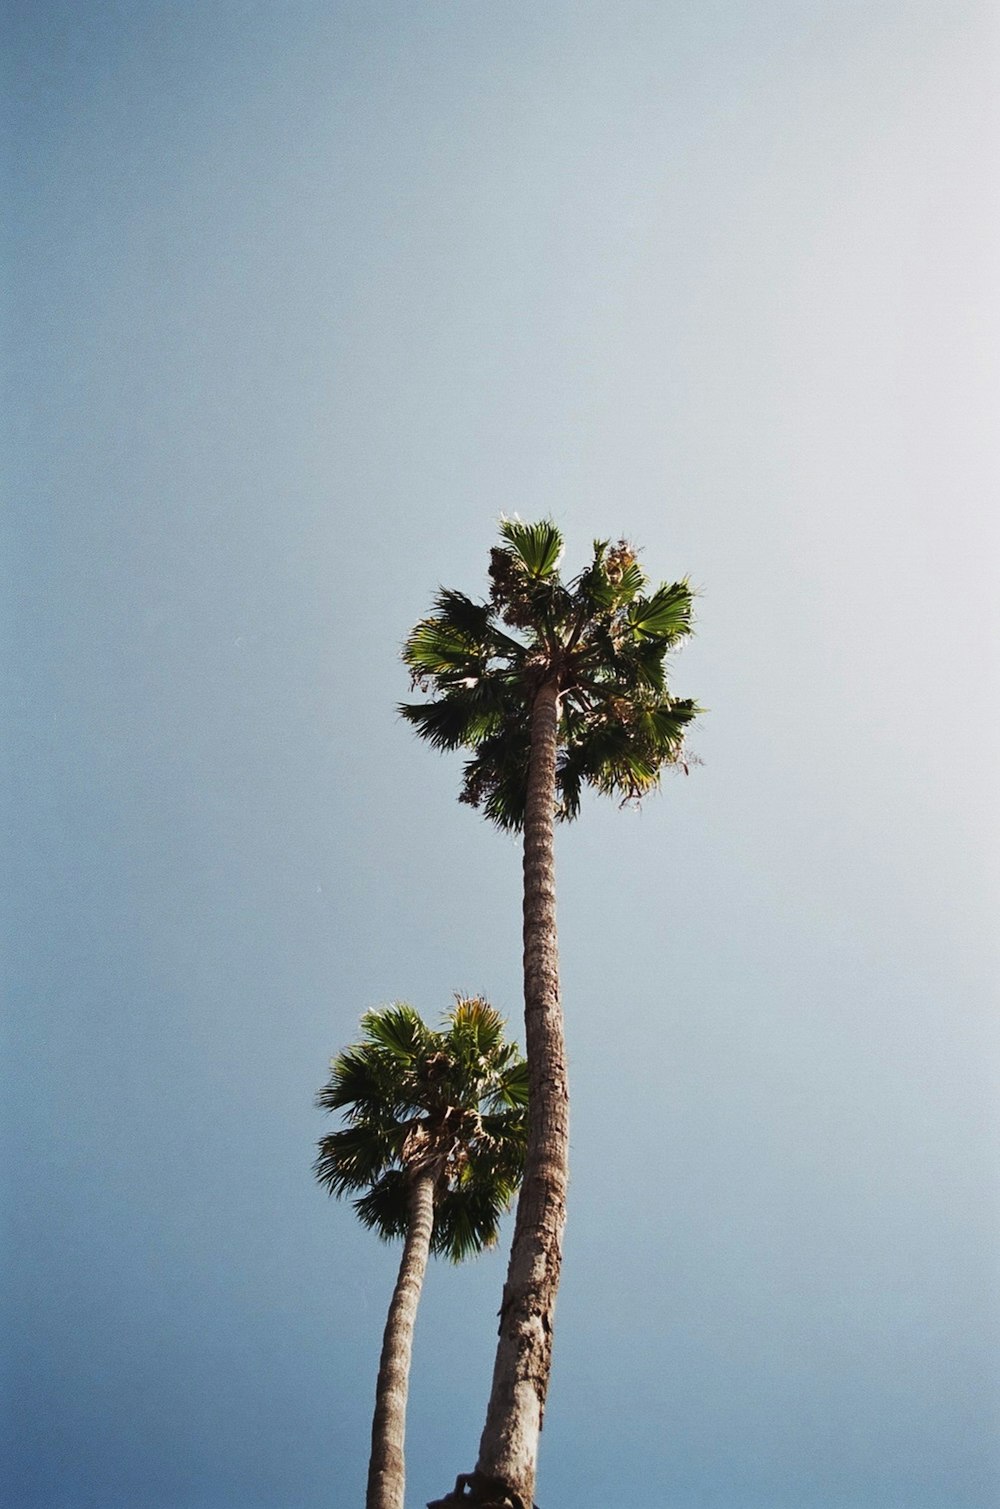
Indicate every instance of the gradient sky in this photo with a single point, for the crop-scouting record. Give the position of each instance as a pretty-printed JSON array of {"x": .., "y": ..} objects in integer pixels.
[{"x": 304, "y": 295}]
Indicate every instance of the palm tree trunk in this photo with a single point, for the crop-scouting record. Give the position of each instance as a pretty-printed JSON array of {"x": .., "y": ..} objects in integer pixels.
[
  {"x": 386, "y": 1468},
  {"x": 508, "y": 1449}
]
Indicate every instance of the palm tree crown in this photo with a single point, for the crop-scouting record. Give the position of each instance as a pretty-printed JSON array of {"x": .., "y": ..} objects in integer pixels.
[
  {"x": 413, "y": 1098},
  {"x": 602, "y": 639}
]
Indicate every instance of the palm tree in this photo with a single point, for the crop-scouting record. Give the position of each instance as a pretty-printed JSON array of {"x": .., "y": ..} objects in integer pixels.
[
  {"x": 434, "y": 1134},
  {"x": 551, "y": 686}
]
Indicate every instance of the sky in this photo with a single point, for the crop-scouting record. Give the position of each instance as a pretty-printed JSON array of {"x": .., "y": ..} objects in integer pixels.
[{"x": 299, "y": 299}]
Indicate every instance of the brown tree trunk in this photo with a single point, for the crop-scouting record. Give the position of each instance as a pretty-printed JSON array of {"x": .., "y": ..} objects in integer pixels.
[
  {"x": 386, "y": 1468},
  {"x": 508, "y": 1449}
]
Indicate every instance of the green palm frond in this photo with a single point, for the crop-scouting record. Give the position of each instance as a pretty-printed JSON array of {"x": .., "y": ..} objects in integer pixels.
[
  {"x": 626, "y": 770},
  {"x": 624, "y": 759},
  {"x": 475, "y": 1026},
  {"x": 613, "y": 665},
  {"x": 488, "y": 1183},
  {"x": 667, "y": 615},
  {"x": 355, "y": 1157},
  {"x": 612, "y": 580},
  {"x": 466, "y": 616},
  {"x": 437, "y": 647},
  {"x": 569, "y": 786},
  {"x": 460, "y": 1231},
  {"x": 631, "y": 583},
  {"x": 665, "y": 725},
  {"x": 366, "y": 1085},
  {"x": 462, "y": 716},
  {"x": 401, "y": 1031},
  {"x": 386, "y": 1207},
  {"x": 499, "y": 1151},
  {"x": 477, "y": 623},
  {"x": 468, "y": 1220},
  {"x": 445, "y": 724},
  {"x": 512, "y": 1084},
  {"x": 537, "y": 546},
  {"x": 496, "y": 778}
]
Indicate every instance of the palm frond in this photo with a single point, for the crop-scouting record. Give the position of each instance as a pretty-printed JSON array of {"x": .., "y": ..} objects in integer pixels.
[
  {"x": 385, "y": 1208},
  {"x": 354, "y": 1157},
  {"x": 436, "y": 647},
  {"x": 512, "y": 1085},
  {"x": 623, "y": 667},
  {"x": 569, "y": 786},
  {"x": 539, "y": 546},
  {"x": 665, "y": 725},
  {"x": 631, "y": 582},
  {"x": 364, "y": 1084},
  {"x": 401, "y": 1031},
  {"x": 474, "y": 620},
  {"x": 475, "y": 1027},
  {"x": 462, "y": 715},
  {"x": 468, "y": 1220},
  {"x": 459, "y": 1232},
  {"x": 477, "y": 622},
  {"x": 610, "y": 582},
  {"x": 617, "y": 762},
  {"x": 448, "y": 723},
  {"x": 667, "y": 615},
  {"x": 498, "y": 1165},
  {"x": 496, "y": 778}
]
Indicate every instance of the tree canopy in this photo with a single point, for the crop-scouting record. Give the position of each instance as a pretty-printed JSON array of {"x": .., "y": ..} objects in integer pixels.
[
  {"x": 603, "y": 638},
  {"x": 409, "y": 1096}
]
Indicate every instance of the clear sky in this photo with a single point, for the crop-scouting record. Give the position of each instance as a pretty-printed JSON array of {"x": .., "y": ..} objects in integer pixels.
[{"x": 304, "y": 295}]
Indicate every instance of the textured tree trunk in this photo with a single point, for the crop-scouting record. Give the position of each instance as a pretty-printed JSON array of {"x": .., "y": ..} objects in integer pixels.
[
  {"x": 508, "y": 1450},
  {"x": 386, "y": 1469}
]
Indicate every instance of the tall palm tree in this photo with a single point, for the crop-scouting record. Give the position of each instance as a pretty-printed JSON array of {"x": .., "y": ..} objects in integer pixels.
[
  {"x": 551, "y": 686},
  {"x": 434, "y": 1134}
]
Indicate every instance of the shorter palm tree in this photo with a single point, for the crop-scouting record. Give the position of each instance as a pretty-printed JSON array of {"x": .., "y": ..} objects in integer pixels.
[{"x": 434, "y": 1133}]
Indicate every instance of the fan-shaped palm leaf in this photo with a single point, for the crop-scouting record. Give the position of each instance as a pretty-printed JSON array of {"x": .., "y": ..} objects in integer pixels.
[{"x": 537, "y": 546}]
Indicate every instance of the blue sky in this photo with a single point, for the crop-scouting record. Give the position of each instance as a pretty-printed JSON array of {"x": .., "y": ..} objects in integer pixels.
[{"x": 303, "y": 297}]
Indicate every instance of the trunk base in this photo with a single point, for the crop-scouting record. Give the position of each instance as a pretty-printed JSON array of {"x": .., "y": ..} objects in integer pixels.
[{"x": 473, "y": 1488}]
